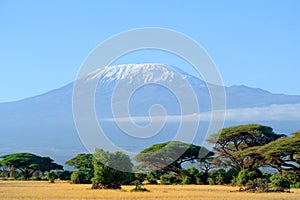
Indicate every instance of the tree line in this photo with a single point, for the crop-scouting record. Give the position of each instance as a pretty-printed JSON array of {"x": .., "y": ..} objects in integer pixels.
[{"x": 241, "y": 155}]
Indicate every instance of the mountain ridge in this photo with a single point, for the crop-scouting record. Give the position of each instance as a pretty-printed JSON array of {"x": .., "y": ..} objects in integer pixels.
[{"x": 44, "y": 123}]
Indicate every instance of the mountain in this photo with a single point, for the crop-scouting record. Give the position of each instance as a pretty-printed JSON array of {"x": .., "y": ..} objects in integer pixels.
[{"x": 44, "y": 124}]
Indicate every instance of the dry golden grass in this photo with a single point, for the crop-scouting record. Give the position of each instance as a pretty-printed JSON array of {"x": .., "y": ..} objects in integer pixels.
[{"x": 64, "y": 190}]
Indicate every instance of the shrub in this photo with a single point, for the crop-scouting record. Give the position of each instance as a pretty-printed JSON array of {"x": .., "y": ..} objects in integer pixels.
[
  {"x": 211, "y": 181},
  {"x": 151, "y": 179},
  {"x": 220, "y": 177},
  {"x": 201, "y": 178},
  {"x": 82, "y": 176},
  {"x": 170, "y": 179},
  {"x": 246, "y": 175},
  {"x": 64, "y": 175},
  {"x": 231, "y": 175},
  {"x": 292, "y": 176},
  {"x": 279, "y": 183},
  {"x": 243, "y": 177},
  {"x": 106, "y": 177},
  {"x": 190, "y": 175},
  {"x": 51, "y": 176},
  {"x": 295, "y": 185},
  {"x": 187, "y": 180}
]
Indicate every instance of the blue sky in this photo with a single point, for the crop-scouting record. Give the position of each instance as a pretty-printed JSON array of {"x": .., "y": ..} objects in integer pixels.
[{"x": 43, "y": 43}]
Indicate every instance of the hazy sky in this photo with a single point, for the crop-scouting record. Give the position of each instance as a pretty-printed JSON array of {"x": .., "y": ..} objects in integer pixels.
[{"x": 43, "y": 43}]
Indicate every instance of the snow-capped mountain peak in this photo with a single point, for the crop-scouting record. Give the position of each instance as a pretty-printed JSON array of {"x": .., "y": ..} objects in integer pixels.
[{"x": 149, "y": 72}]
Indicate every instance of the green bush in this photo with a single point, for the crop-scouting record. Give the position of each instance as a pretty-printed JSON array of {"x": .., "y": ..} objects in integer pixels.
[
  {"x": 64, "y": 175},
  {"x": 151, "y": 179},
  {"x": 106, "y": 177},
  {"x": 170, "y": 179},
  {"x": 51, "y": 176},
  {"x": 231, "y": 175},
  {"x": 246, "y": 175},
  {"x": 295, "y": 185},
  {"x": 211, "y": 181},
  {"x": 191, "y": 175},
  {"x": 221, "y": 176},
  {"x": 187, "y": 180},
  {"x": 201, "y": 178},
  {"x": 82, "y": 176},
  {"x": 292, "y": 176},
  {"x": 279, "y": 183}
]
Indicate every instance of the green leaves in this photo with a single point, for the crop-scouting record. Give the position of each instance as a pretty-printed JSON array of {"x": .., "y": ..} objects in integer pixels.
[
  {"x": 283, "y": 154},
  {"x": 169, "y": 156},
  {"x": 81, "y": 161},
  {"x": 111, "y": 170},
  {"x": 28, "y": 163},
  {"x": 236, "y": 146}
]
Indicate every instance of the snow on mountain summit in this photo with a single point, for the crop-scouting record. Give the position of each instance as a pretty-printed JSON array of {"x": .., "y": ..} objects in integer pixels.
[{"x": 146, "y": 73}]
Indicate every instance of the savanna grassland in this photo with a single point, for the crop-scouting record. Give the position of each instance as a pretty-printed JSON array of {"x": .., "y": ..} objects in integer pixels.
[{"x": 65, "y": 190}]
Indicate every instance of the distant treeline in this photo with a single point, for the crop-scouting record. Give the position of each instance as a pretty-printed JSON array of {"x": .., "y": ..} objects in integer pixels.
[{"x": 238, "y": 157}]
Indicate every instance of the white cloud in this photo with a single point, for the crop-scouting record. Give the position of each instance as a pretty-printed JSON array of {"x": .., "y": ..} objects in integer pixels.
[{"x": 271, "y": 113}]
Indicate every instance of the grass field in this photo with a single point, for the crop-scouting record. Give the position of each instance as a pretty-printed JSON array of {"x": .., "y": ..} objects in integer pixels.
[{"x": 64, "y": 190}]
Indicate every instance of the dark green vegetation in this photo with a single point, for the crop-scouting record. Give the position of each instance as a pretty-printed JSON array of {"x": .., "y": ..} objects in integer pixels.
[
  {"x": 83, "y": 163},
  {"x": 169, "y": 157},
  {"x": 25, "y": 165},
  {"x": 238, "y": 157},
  {"x": 106, "y": 177}
]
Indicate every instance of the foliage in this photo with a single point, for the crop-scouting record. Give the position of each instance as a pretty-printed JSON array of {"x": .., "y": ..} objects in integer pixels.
[
  {"x": 231, "y": 175},
  {"x": 51, "y": 176},
  {"x": 106, "y": 177},
  {"x": 221, "y": 176},
  {"x": 82, "y": 176},
  {"x": 168, "y": 157},
  {"x": 151, "y": 179},
  {"x": 64, "y": 175},
  {"x": 202, "y": 178},
  {"x": 292, "y": 176},
  {"x": 246, "y": 175},
  {"x": 141, "y": 177},
  {"x": 170, "y": 179},
  {"x": 296, "y": 185},
  {"x": 81, "y": 161},
  {"x": 283, "y": 154},
  {"x": 214, "y": 175},
  {"x": 28, "y": 163},
  {"x": 84, "y": 163},
  {"x": 279, "y": 183},
  {"x": 190, "y": 175},
  {"x": 207, "y": 163},
  {"x": 211, "y": 181},
  {"x": 235, "y": 139}
]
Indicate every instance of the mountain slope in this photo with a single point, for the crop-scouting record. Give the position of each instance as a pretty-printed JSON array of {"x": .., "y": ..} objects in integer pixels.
[{"x": 44, "y": 124}]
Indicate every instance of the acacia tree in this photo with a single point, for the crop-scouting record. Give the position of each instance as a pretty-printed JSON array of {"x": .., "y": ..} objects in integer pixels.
[
  {"x": 169, "y": 156},
  {"x": 111, "y": 170},
  {"x": 27, "y": 164},
  {"x": 230, "y": 142},
  {"x": 85, "y": 169},
  {"x": 81, "y": 161},
  {"x": 283, "y": 154}
]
